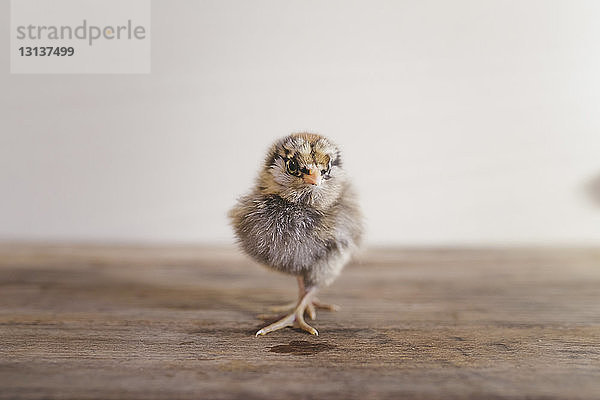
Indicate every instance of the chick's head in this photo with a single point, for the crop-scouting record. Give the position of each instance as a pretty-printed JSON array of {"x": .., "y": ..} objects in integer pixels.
[{"x": 303, "y": 167}]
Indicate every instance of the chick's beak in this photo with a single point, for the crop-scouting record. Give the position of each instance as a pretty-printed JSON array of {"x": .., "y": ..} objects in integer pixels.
[{"x": 313, "y": 178}]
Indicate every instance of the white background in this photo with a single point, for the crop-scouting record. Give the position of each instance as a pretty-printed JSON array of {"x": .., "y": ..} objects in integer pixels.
[{"x": 462, "y": 122}]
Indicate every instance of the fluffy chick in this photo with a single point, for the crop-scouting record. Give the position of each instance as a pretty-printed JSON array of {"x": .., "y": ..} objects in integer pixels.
[{"x": 301, "y": 218}]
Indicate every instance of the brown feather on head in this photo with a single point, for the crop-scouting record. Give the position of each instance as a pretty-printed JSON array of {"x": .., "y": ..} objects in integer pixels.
[{"x": 303, "y": 167}]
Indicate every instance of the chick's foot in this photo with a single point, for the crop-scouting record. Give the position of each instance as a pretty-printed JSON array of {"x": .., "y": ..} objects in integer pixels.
[{"x": 295, "y": 317}]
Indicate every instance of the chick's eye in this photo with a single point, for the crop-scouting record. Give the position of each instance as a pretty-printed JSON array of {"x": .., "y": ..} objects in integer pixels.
[
  {"x": 326, "y": 171},
  {"x": 292, "y": 167}
]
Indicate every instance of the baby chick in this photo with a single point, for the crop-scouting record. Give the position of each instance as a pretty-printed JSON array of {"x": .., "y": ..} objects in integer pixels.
[{"x": 301, "y": 218}]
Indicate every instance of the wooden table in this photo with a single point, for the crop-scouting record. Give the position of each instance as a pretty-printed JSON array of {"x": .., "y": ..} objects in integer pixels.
[{"x": 115, "y": 322}]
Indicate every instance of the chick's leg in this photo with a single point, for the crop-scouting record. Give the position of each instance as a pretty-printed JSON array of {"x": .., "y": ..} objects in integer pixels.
[
  {"x": 292, "y": 305},
  {"x": 297, "y": 316},
  {"x": 313, "y": 305}
]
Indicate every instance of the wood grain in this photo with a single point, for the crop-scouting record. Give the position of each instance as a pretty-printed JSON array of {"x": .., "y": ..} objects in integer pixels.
[{"x": 116, "y": 322}]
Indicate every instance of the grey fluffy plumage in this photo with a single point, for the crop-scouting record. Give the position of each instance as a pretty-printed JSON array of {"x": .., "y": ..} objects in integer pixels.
[{"x": 302, "y": 217}]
